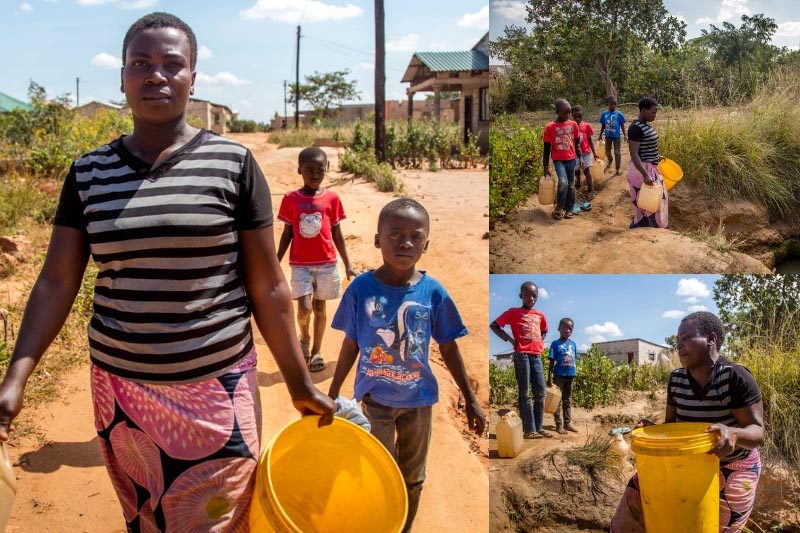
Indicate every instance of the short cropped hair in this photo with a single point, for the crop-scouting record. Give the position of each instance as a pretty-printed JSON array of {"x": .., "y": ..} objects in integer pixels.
[
  {"x": 401, "y": 204},
  {"x": 577, "y": 109},
  {"x": 708, "y": 323},
  {"x": 561, "y": 102},
  {"x": 312, "y": 153},
  {"x": 160, "y": 20},
  {"x": 647, "y": 103},
  {"x": 566, "y": 319},
  {"x": 532, "y": 284}
]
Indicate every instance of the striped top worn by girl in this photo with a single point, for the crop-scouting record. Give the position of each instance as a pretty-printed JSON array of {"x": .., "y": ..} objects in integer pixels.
[
  {"x": 731, "y": 387},
  {"x": 169, "y": 302},
  {"x": 647, "y": 137}
]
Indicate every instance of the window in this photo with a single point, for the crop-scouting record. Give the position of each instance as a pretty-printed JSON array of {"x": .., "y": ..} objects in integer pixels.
[
  {"x": 651, "y": 356},
  {"x": 216, "y": 118},
  {"x": 483, "y": 111}
]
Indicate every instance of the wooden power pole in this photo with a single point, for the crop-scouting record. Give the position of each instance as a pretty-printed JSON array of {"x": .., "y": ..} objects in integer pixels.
[
  {"x": 297, "y": 84},
  {"x": 380, "y": 84}
]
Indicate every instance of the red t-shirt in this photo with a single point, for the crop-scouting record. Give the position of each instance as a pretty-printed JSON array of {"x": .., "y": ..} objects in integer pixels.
[
  {"x": 312, "y": 219},
  {"x": 528, "y": 327},
  {"x": 586, "y": 132},
  {"x": 561, "y": 136}
]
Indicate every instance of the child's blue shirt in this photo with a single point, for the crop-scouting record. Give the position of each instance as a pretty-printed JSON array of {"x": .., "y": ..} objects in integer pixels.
[
  {"x": 564, "y": 353},
  {"x": 613, "y": 122},
  {"x": 393, "y": 327}
]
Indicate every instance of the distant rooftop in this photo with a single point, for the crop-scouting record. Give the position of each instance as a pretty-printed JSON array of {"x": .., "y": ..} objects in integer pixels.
[{"x": 9, "y": 103}]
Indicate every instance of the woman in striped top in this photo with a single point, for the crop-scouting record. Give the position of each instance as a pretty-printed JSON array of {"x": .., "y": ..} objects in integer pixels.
[
  {"x": 179, "y": 223},
  {"x": 642, "y": 170},
  {"x": 709, "y": 388}
]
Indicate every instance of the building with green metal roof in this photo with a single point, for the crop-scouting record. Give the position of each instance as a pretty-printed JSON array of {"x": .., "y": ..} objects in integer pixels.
[
  {"x": 9, "y": 103},
  {"x": 462, "y": 71}
]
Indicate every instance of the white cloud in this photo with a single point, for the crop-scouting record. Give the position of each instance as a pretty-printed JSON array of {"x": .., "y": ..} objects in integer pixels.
[
  {"x": 673, "y": 313},
  {"x": 692, "y": 287},
  {"x": 138, "y": 4},
  {"x": 692, "y": 300},
  {"x": 25, "y": 7},
  {"x": 513, "y": 10},
  {"x": 600, "y": 332},
  {"x": 788, "y": 29},
  {"x": 583, "y": 347},
  {"x": 221, "y": 78},
  {"x": 728, "y": 10},
  {"x": 544, "y": 293},
  {"x": 294, "y": 11},
  {"x": 106, "y": 60},
  {"x": 406, "y": 43},
  {"x": 478, "y": 20},
  {"x": 695, "y": 308},
  {"x": 245, "y": 103},
  {"x": 204, "y": 52},
  {"x": 366, "y": 66}
]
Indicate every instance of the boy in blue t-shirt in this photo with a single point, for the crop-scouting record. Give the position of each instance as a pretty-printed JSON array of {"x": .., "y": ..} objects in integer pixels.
[
  {"x": 562, "y": 371},
  {"x": 612, "y": 123},
  {"x": 389, "y": 316}
]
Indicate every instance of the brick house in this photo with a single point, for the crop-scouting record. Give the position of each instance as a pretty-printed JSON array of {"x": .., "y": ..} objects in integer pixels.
[
  {"x": 634, "y": 351},
  {"x": 213, "y": 116}
]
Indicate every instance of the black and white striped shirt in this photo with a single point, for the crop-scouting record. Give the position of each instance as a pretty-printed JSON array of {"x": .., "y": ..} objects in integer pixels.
[
  {"x": 731, "y": 387},
  {"x": 169, "y": 303},
  {"x": 647, "y": 136}
]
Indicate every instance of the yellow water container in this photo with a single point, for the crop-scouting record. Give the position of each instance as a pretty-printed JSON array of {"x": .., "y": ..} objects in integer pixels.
[
  {"x": 547, "y": 190},
  {"x": 8, "y": 487},
  {"x": 600, "y": 149},
  {"x": 670, "y": 172},
  {"x": 678, "y": 480},
  {"x": 509, "y": 435},
  {"x": 552, "y": 399},
  {"x": 597, "y": 170},
  {"x": 650, "y": 197},
  {"x": 326, "y": 480}
]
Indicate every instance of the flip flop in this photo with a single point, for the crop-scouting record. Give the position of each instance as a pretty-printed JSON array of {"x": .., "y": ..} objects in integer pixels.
[
  {"x": 532, "y": 435},
  {"x": 586, "y": 206},
  {"x": 304, "y": 348},
  {"x": 316, "y": 363},
  {"x": 576, "y": 210}
]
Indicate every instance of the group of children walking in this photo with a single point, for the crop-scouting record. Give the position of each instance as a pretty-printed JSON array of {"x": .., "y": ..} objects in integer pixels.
[
  {"x": 570, "y": 145},
  {"x": 528, "y": 331}
]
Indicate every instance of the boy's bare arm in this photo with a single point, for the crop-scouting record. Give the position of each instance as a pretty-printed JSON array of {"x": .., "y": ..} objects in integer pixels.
[
  {"x": 455, "y": 364},
  {"x": 286, "y": 238},
  {"x": 338, "y": 241},
  {"x": 500, "y": 332},
  {"x": 347, "y": 357}
]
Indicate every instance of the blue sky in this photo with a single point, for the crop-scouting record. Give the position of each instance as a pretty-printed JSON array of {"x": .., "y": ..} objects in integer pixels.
[
  {"x": 246, "y": 46},
  {"x": 697, "y": 15},
  {"x": 606, "y": 307}
]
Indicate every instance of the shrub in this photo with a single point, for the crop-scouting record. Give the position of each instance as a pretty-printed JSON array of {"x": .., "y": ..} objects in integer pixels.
[
  {"x": 365, "y": 165},
  {"x": 19, "y": 198},
  {"x": 502, "y": 385},
  {"x": 515, "y": 164}
]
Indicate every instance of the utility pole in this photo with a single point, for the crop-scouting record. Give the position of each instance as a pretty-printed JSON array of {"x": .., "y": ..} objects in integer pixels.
[
  {"x": 285, "y": 118},
  {"x": 77, "y": 92},
  {"x": 380, "y": 84},
  {"x": 297, "y": 84}
]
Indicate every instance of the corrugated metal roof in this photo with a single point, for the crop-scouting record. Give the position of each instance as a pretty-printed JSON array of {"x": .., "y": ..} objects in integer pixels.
[
  {"x": 9, "y": 103},
  {"x": 454, "y": 61}
]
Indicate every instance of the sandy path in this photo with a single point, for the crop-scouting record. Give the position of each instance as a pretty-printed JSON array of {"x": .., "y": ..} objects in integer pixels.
[
  {"x": 599, "y": 241},
  {"x": 63, "y": 485}
]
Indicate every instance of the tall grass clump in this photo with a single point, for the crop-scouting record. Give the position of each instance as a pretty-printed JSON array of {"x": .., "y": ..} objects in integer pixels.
[
  {"x": 305, "y": 136},
  {"x": 748, "y": 153},
  {"x": 365, "y": 165},
  {"x": 502, "y": 385},
  {"x": 19, "y": 198},
  {"x": 515, "y": 164}
]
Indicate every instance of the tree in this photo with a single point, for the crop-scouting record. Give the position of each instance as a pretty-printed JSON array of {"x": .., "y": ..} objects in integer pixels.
[
  {"x": 326, "y": 90},
  {"x": 606, "y": 35},
  {"x": 672, "y": 341},
  {"x": 749, "y": 43},
  {"x": 760, "y": 307}
]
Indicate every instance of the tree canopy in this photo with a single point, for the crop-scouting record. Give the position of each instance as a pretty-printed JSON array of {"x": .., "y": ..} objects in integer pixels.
[{"x": 325, "y": 91}]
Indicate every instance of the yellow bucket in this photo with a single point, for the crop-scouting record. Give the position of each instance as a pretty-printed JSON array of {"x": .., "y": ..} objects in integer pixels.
[
  {"x": 325, "y": 480},
  {"x": 670, "y": 172},
  {"x": 678, "y": 480}
]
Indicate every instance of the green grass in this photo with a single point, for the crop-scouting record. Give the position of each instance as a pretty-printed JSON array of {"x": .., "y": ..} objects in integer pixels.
[{"x": 303, "y": 137}]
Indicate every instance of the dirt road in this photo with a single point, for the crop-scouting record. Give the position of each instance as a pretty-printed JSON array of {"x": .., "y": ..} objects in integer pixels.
[
  {"x": 599, "y": 241},
  {"x": 63, "y": 485}
]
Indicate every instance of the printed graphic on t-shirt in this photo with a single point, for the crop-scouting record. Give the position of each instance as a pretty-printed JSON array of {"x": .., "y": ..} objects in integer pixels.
[
  {"x": 401, "y": 346},
  {"x": 564, "y": 137},
  {"x": 530, "y": 328},
  {"x": 310, "y": 224}
]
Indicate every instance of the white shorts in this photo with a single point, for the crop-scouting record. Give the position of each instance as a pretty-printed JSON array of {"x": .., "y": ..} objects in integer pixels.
[
  {"x": 323, "y": 281},
  {"x": 585, "y": 159}
]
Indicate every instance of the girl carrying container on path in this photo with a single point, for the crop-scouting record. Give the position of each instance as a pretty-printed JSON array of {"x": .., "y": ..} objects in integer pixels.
[
  {"x": 710, "y": 388},
  {"x": 179, "y": 222},
  {"x": 643, "y": 169}
]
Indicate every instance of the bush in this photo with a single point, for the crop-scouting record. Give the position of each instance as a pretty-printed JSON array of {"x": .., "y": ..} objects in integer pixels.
[
  {"x": 365, "y": 165},
  {"x": 502, "y": 386},
  {"x": 246, "y": 126},
  {"x": 515, "y": 164},
  {"x": 19, "y": 198}
]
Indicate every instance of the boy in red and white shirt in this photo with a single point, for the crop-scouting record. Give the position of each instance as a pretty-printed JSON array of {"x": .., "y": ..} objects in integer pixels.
[
  {"x": 561, "y": 142},
  {"x": 312, "y": 215},
  {"x": 586, "y": 153}
]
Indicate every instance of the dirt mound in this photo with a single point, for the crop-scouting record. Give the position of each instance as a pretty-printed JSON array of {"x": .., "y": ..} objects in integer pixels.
[{"x": 599, "y": 241}]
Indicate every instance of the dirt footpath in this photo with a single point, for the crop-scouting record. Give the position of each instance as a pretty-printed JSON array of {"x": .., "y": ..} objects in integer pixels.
[
  {"x": 63, "y": 485},
  {"x": 599, "y": 241}
]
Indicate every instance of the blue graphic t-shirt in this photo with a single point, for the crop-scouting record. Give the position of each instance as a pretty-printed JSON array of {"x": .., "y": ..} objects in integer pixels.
[
  {"x": 613, "y": 122},
  {"x": 393, "y": 327},
  {"x": 564, "y": 353}
]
